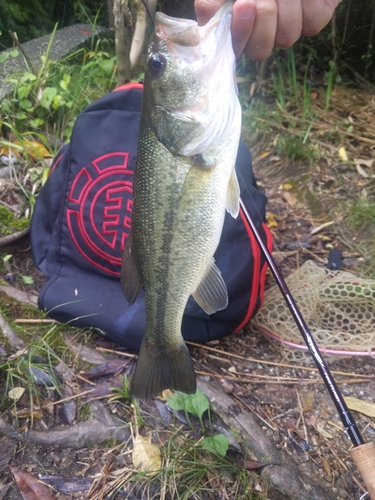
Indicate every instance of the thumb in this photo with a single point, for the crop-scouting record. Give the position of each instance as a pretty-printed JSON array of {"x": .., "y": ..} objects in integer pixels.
[{"x": 205, "y": 9}]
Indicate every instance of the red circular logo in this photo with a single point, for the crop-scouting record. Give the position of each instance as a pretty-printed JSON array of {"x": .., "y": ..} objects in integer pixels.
[{"x": 99, "y": 213}]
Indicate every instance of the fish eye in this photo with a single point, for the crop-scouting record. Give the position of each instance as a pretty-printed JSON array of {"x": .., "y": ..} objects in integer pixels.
[{"x": 156, "y": 65}]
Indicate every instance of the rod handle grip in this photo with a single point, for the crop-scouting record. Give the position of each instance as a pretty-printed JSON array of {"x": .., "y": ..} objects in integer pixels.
[{"x": 364, "y": 458}]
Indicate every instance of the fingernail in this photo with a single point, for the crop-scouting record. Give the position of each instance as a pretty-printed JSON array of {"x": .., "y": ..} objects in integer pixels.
[{"x": 246, "y": 11}]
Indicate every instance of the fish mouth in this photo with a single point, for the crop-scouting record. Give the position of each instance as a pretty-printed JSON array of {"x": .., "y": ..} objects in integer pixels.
[
  {"x": 184, "y": 32},
  {"x": 187, "y": 33}
]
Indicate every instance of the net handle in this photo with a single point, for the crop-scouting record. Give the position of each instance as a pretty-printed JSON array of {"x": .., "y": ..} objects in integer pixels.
[{"x": 364, "y": 458}]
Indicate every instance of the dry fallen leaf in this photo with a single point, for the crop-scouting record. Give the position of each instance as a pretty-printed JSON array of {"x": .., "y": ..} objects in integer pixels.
[
  {"x": 30, "y": 487},
  {"x": 28, "y": 413},
  {"x": 263, "y": 154},
  {"x": 271, "y": 221},
  {"x": 361, "y": 171},
  {"x": 289, "y": 198},
  {"x": 34, "y": 149},
  {"x": 342, "y": 154},
  {"x": 323, "y": 432},
  {"x": 16, "y": 393},
  {"x": 146, "y": 456},
  {"x": 360, "y": 406},
  {"x": 165, "y": 393},
  {"x": 366, "y": 162}
]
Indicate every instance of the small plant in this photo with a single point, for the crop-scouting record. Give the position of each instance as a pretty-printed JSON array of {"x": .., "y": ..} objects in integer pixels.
[
  {"x": 40, "y": 113},
  {"x": 292, "y": 74},
  {"x": 196, "y": 404},
  {"x": 294, "y": 148},
  {"x": 32, "y": 368},
  {"x": 330, "y": 80},
  {"x": 362, "y": 219},
  {"x": 278, "y": 83},
  {"x": 6, "y": 55}
]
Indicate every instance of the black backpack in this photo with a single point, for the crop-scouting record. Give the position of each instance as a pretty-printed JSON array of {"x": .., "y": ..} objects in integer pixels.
[{"x": 82, "y": 217}]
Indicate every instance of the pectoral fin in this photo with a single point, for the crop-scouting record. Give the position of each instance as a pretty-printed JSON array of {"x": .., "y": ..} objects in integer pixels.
[
  {"x": 233, "y": 195},
  {"x": 130, "y": 282},
  {"x": 211, "y": 294}
]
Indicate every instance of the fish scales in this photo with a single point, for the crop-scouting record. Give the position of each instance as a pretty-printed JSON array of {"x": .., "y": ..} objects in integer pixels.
[{"x": 184, "y": 180}]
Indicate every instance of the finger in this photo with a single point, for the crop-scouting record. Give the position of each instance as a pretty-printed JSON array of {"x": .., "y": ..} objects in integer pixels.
[
  {"x": 316, "y": 14},
  {"x": 242, "y": 24},
  {"x": 289, "y": 22},
  {"x": 262, "y": 39},
  {"x": 205, "y": 9}
]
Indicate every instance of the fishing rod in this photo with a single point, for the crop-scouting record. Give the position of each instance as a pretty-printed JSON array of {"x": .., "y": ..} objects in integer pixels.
[{"x": 363, "y": 454}]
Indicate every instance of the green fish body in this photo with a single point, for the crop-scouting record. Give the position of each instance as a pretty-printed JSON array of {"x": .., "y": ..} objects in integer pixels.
[{"x": 184, "y": 181}]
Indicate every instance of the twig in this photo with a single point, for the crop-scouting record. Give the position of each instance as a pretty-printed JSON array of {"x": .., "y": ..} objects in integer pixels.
[
  {"x": 248, "y": 407},
  {"x": 321, "y": 227},
  {"x": 120, "y": 353},
  {"x": 300, "y": 417},
  {"x": 22, "y": 50},
  {"x": 34, "y": 321},
  {"x": 17, "y": 212},
  {"x": 75, "y": 396},
  {"x": 273, "y": 363}
]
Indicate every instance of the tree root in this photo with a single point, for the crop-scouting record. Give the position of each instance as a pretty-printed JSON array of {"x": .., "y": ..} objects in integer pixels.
[
  {"x": 11, "y": 238},
  {"x": 99, "y": 428},
  {"x": 25, "y": 297},
  {"x": 9, "y": 334}
]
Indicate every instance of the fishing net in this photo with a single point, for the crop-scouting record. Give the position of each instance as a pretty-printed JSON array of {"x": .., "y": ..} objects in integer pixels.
[{"x": 338, "y": 307}]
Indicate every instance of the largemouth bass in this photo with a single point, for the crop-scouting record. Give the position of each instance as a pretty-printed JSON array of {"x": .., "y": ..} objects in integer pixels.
[{"x": 184, "y": 181}]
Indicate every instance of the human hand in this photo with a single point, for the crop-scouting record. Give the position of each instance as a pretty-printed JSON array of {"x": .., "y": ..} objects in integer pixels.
[{"x": 260, "y": 25}]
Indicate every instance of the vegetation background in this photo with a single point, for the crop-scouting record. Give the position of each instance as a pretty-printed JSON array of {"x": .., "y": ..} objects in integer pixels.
[{"x": 349, "y": 39}]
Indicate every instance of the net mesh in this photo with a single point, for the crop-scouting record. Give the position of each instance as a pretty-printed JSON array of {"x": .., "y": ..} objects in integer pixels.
[{"x": 338, "y": 307}]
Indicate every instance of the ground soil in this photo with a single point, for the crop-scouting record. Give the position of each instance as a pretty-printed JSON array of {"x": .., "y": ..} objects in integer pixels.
[{"x": 290, "y": 403}]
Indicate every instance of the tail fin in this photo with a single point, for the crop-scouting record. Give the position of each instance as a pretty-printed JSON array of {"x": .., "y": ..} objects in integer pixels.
[{"x": 172, "y": 370}]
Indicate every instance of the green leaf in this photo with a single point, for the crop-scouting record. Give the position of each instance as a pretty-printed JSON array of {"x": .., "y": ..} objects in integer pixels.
[
  {"x": 57, "y": 101},
  {"x": 14, "y": 53},
  {"x": 48, "y": 95},
  {"x": 45, "y": 175},
  {"x": 107, "y": 65},
  {"x": 23, "y": 91},
  {"x": 27, "y": 77},
  {"x": 196, "y": 403},
  {"x": 64, "y": 83},
  {"x": 216, "y": 444},
  {"x": 37, "y": 122},
  {"x": 177, "y": 401},
  {"x": 28, "y": 280},
  {"x": 4, "y": 57},
  {"x": 7, "y": 257},
  {"x": 25, "y": 104}
]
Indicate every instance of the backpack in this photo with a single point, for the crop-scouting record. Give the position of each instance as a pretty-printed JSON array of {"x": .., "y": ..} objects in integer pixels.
[{"x": 82, "y": 217}]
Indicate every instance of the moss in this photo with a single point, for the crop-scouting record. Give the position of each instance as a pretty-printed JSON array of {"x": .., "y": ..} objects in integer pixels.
[
  {"x": 9, "y": 224},
  {"x": 84, "y": 412},
  {"x": 12, "y": 308}
]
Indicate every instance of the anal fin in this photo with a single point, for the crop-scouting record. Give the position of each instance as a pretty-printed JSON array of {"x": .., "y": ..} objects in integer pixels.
[
  {"x": 233, "y": 195},
  {"x": 130, "y": 282},
  {"x": 211, "y": 294}
]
